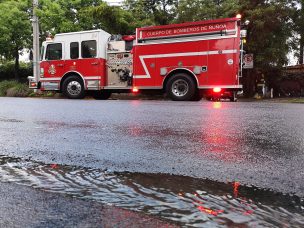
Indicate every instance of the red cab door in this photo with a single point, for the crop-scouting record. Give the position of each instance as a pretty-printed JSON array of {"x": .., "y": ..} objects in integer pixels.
[{"x": 54, "y": 65}]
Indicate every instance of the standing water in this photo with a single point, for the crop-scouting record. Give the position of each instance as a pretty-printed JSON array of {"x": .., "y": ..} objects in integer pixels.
[{"x": 184, "y": 200}]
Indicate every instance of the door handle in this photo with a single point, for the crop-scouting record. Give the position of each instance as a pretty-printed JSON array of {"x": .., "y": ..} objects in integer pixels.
[
  {"x": 60, "y": 65},
  {"x": 95, "y": 63}
]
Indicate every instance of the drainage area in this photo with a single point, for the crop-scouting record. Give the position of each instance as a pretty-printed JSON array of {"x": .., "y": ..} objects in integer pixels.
[{"x": 183, "y": 200}]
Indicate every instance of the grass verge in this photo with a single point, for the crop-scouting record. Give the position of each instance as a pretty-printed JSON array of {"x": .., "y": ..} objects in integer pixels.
[
  {"x": 296, "y": 100},
  {"x": 14, "y": 89}
]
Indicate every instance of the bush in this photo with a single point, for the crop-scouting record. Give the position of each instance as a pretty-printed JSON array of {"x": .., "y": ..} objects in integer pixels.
[
  {"x": 7, "y": 70},
  {"x": 5, "y": 85},
  {"x": 20, "y": 90},
  {"x": 14, "y": 89}
]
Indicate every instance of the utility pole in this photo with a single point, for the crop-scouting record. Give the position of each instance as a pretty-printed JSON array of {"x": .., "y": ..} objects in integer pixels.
[{"x": 36, "y": 59}]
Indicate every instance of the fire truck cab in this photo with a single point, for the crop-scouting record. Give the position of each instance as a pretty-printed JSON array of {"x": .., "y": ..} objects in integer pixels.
[{"x": 183, "y": 60}]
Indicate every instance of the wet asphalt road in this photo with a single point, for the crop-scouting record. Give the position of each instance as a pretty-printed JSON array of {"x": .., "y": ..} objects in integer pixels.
[
  {"x": 27, "y": 207},
  {"x": 254, "y": 143}
]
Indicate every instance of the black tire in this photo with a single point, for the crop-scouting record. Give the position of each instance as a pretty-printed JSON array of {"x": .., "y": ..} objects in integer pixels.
[
  {"x": 101, "y": 95},
  {"x": 181, "y": 87},
  {"x": 73, "y": 88}
]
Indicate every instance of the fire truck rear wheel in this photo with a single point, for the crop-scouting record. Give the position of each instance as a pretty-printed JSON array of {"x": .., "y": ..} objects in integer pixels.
[
  {"x": 181, "y": 87},
  {"x": 73, "y": 88}
]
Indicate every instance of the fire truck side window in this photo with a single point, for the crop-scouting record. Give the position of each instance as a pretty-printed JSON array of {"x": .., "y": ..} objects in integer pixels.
[
  {"x": 74, "y": 50},
  {"x": 54, "y": 52},
  {"x": 42, "y": 53},
  {"x": 88, "y": 49}
]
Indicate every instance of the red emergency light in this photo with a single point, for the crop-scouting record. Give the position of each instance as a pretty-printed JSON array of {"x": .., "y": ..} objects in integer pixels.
[
  {"x": 217, "y": 90},
  {"x": 135, "y": 90},
  {"x": 128, "y": 37}
]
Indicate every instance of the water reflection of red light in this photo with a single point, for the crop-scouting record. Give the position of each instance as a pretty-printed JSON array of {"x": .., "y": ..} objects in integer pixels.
[
  {"x": 54, "y": 166},
  {"x": 210, "y": 211},
  {"x": 135, "y": 102},
  {"x": 248, "y": 212},
  {"x": 243, "y": 201},
  {"x": 206, "y": 210},
  {"x": 135, "y": 130},
  {"x": 236, "y": 186},
  {"x": 219, "y": 134},
  {"x": 245, "y": 207},
  {"x": 217, "y": 105}
]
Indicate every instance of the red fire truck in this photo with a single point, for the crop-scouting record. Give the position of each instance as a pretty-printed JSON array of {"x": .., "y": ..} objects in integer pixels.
[{"x": 184, "y": 61}]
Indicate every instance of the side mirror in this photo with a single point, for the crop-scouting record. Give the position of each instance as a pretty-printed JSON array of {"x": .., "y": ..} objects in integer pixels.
[{"x": 243, "y": 33}]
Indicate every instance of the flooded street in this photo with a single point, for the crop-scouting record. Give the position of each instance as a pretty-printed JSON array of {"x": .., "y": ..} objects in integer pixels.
[
  {"x": 196, "y": 164},
  {"x": 182, "y": 200}
]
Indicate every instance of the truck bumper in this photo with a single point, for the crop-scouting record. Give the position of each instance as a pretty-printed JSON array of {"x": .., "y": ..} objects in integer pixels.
[
  {"x": 33, "y": 84},
  {"x": 226, "y": 87}
]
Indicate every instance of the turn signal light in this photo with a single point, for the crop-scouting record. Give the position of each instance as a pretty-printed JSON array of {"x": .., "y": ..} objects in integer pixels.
[{"x": 217, "y": 90}]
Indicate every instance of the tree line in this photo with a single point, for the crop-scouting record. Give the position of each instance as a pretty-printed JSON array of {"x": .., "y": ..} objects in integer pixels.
[{"x": 276, "y": 28}]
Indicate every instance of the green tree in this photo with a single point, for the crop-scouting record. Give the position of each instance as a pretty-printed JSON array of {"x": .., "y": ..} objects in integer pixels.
[
  {"x": 138, "y": 10},
  {"x": 206, "y": 9},
  {"x": 15, "y": 30},
  {"x": 113, "y": 19},
  {"x": 269, "y": 31},
  {"x": 58, "y": 16},
  {"x": 163, "y": 11},
  {"x": 268, "y": 37},
  {"x": 159, "y": 12},
  {"x": 299, "y": 31}
]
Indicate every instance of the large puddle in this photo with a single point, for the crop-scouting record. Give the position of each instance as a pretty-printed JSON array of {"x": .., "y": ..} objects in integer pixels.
[{"x": 187, "y": 201}]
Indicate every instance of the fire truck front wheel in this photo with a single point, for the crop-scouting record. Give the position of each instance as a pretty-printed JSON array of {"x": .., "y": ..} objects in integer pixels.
[
  {"x": 73, "y": 88},
  {"x": 181, "y": 87}
]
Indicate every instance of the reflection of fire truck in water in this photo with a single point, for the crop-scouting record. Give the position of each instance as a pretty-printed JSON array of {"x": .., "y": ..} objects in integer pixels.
[{"x": 183, "y": 60}]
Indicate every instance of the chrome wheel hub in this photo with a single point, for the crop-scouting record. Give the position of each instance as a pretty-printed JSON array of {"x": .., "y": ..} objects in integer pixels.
[
  {"x": 74, "y": 88},
  {"x": 180, "y": 88}
]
